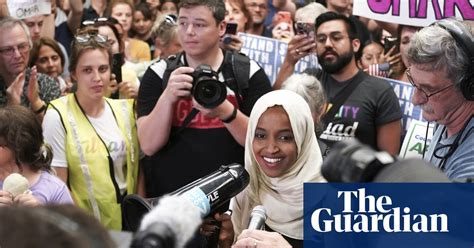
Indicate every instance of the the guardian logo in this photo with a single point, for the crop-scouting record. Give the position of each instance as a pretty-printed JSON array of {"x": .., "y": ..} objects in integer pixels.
[{"x": 375, "y": 215}]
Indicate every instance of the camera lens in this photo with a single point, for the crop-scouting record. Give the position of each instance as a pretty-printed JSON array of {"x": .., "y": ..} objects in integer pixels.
[{"x": 209, "y": 92}]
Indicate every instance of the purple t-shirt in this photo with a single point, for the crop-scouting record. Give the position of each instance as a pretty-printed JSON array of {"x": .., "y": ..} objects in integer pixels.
[{"x": 49, "y": 189}]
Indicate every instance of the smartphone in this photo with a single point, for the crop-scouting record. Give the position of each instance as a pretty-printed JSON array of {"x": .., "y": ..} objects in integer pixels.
[
  {"x": 284, "y": 16},
  {"x": 389, "y": 42},
  {"x": 231, "y": 28},
  {"x": 304, "y": 28},
  {"x": 117, "y": 71}
]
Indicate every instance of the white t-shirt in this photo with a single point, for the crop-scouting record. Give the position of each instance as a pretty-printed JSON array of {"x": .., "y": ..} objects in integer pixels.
[{"x": 107, "y": 128}]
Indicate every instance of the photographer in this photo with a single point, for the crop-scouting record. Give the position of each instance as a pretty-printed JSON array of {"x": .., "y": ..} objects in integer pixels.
[{"x": 183, "y": 150}]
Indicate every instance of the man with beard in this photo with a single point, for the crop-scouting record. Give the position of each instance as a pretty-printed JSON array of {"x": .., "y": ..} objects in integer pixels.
[{"x": 370, "y": 111}]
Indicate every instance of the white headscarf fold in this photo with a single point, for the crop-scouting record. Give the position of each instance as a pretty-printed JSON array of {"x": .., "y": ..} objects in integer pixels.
[{"x": 283, "y": 196}]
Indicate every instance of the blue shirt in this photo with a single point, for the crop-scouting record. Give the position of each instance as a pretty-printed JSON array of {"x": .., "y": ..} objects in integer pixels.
[{"x": 460, "y": 165}]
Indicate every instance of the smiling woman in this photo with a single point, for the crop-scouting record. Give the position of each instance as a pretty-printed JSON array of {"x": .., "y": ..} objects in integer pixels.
[
  {"x": 84, "y": 130},
  {"x": 281, "y": 153}
]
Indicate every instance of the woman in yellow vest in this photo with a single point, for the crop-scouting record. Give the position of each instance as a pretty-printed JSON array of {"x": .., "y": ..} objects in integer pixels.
[{"x": 94, "y": 138}]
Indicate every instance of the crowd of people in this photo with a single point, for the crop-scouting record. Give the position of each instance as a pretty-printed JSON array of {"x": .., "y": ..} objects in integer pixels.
[{"x": 101, "y": 99}]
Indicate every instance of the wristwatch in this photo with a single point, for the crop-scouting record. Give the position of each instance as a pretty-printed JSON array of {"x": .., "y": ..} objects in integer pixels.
[{"x": 231, "y": 117}]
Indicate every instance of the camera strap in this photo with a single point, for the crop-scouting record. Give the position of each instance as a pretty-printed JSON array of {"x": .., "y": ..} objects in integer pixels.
[
  {"x": 236, "y": 71},
  {"x": 186, "y": 121}
]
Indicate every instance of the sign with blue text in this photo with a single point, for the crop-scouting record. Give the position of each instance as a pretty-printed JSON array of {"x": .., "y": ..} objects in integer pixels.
[
  {"x": 388, "y": 215},
  {"x": 404, "y": 92},
  {"x": 270, "y": 54}
]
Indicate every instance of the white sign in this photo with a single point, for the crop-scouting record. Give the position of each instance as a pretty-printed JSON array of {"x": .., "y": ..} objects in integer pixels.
[
  {"x": 414, "y": 142},
  {"x": 22, "y": 9},
  {"x": 414, "y": 12}
]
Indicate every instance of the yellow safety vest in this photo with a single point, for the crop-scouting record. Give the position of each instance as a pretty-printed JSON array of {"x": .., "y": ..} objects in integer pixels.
[{"x": 89, "y": 171}]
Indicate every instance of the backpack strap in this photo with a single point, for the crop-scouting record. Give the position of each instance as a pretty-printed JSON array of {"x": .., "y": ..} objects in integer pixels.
[
  {"x": 236, "y": 71},
  {"x": 172, "y": 63}
]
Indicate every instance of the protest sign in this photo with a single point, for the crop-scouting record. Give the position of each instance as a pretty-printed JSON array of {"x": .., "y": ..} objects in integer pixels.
[
  {"x": 22, "y": 9},
  {"x": 270, "y": 54},
  {"x": 416, "y": 138},
  {"x": 404, "y": 92},
  {"x": 414, "y": 12}
]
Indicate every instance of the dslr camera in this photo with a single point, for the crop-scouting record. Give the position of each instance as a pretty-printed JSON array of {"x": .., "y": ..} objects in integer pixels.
[{"x": 207, "y": 90}]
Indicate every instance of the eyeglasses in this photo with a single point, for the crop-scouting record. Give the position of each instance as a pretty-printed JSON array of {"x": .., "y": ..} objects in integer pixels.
[
  {"x": 426, "y": 95},
  {"x": 333, "y": 37},
  {"x": 85, "y": 38},
  {"x": 99, "y": 20},
  {"x": 10, "y": 51}
]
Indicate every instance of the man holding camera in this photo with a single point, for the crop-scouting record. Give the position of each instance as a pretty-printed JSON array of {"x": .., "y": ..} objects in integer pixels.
[{"x": 183, "y": 147}]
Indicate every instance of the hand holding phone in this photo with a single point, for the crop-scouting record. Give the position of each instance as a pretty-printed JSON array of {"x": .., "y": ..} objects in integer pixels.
[
  {"x": 390, "y": 42},
  {"x": 230, "y": 29},
  {"x": 304, "y": 28}
]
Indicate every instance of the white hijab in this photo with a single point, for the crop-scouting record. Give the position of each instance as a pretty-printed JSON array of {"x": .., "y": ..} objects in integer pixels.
[{"x": 283, "y": 196}]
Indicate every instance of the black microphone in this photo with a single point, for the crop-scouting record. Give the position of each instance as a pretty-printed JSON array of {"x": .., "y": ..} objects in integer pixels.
[
  {"x": 257, "y": 218},
  {"x": 170, "y": 224},
  {"x": 207, "y": 193}
]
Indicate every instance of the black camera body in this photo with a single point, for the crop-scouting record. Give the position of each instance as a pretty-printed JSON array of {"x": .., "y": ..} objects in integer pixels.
[{"x": 207, "y": 90}]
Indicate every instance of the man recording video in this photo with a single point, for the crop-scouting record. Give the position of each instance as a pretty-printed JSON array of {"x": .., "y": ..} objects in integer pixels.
[{"x": 183, "y": 146}]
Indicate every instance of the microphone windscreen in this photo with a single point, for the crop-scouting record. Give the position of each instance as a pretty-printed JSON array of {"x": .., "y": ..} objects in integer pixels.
[
  {"x": 15, "y": 184},
  {"x": 411, "y": 170},
  {"x": 177, "y": 213}
]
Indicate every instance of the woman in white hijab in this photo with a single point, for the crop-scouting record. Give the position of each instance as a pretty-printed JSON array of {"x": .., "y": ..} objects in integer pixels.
[{"x": 281, "y": 153}]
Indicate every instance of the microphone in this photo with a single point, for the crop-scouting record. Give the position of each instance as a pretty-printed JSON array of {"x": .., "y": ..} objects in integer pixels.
[
  {"x": 257, "y": 218},
  {"x": 170, "y": 224},
  {"x": 208, "y": 194}
]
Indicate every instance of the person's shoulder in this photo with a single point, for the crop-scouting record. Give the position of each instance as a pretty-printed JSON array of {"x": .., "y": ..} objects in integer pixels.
[
  {"x": 376, "y": 83},
  {"x": 51, "y": 180},
  {"x": 138, "y": 44},
  {"x": 45, "y": 78},
  {"x": 158, "y": 67}
]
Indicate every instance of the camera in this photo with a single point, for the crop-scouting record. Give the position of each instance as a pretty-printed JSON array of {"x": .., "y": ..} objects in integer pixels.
[
  {"x": 207, "y": 90},
  {"x": 351, "y": 161}
]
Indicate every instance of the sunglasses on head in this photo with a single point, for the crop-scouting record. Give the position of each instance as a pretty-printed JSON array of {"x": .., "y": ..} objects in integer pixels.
[
  {"x": 85, "y": 38},
  {"x": 99, "y": 20},
  {"x": 171, "y": 19}
]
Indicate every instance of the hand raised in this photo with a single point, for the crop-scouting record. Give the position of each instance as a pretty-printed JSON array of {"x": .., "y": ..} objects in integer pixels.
[{"x": 15, "y": 90}]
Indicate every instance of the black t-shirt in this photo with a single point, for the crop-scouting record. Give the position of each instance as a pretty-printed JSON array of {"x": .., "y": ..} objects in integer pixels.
[
  {"x": 204, "y": 145},
  {"x": 373, "y": 103}
]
